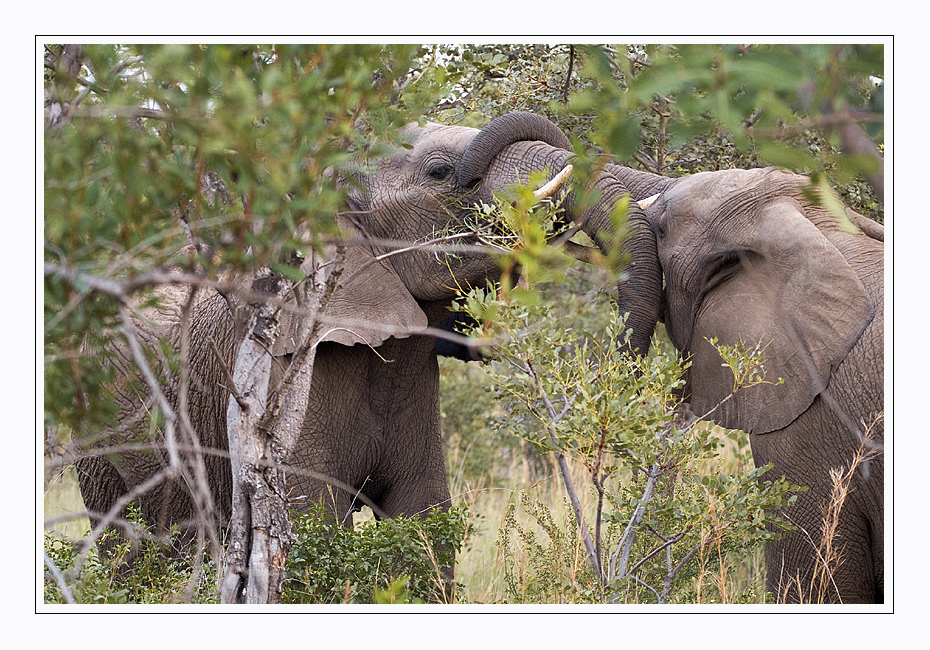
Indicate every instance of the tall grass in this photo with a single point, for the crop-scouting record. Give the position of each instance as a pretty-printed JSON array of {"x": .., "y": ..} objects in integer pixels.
[
  {"x": 64, "y": 506},
  {"x": 722, "y": 577}
]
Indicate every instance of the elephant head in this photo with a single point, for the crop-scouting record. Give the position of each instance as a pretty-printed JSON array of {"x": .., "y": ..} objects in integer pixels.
[
  {"x": 748, "y": 258},
  {"x": 411, "y": 196},
  {"x": 505, "y": 152}
]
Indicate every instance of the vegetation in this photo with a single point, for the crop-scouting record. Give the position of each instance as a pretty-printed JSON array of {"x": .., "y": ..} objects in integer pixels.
[
  {"x": 143, "y": 574},
  {"x": 566, "y": 387},
  {"x": 148, "y": 148},
  {"x": 396, "y": 561}
]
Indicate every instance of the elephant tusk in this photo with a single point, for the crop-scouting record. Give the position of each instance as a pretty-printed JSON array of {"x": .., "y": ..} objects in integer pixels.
[
  {"x": 645, "y": 203},
  {"x": 548, "y": 190}
]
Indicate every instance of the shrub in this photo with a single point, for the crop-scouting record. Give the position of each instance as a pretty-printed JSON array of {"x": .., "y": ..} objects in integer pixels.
[
  {"x": 397, "y": 560},
  {"x": 157, "y": 570}
]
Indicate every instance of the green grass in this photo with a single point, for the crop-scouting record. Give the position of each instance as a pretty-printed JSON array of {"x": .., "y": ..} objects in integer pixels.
[{"x": 488, "y": 475}]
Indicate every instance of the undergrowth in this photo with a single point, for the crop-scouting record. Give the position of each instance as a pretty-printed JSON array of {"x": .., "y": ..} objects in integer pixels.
[{"x": 402, "y": 560}]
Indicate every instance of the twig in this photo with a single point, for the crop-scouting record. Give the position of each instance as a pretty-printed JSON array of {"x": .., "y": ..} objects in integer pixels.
[
  {"x": 568, "y": 77},
  {"x": 629, "y": 534},
  {"x": 566, "y": 475},
  {"x": 230, "y": 385},
  {"x": 59, "y": 579},
  {"x": 168, "y": 413}
]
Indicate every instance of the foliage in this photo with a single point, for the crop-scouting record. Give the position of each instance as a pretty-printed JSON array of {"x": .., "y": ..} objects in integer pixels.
[
  {"x": 401, "y": 560},
  {"x": 555, "y": 569},
  {"x": 153, "y": 572},
  {"x": 406, "y": 559},
  {"x": 659, "y": 498},
  {"x": 478, "y": 456},
  {"x": 229, "y": 147},
  {"x": 677, "y": 109},
  {"x": 239, "y": 147}
]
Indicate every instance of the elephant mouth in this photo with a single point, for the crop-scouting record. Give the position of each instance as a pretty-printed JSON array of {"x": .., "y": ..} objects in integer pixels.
[{"x": 478, "y": 226}]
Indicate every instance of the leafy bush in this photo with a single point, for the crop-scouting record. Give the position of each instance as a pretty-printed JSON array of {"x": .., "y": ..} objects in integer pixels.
[
  {"x": 153, "y": 572},
  {"x": 396, "y": 560}
]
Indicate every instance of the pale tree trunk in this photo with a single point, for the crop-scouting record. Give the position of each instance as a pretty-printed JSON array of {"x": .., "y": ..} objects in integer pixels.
[{"x": 262, "y": 434}]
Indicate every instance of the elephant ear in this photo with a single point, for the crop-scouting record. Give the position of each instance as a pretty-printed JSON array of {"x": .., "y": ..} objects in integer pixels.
[
  {"x": 794, "y": 292},
  {"x": 370, "y": 305}
]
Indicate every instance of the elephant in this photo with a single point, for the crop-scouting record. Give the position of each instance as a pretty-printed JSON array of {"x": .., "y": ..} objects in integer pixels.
[
  {"x": 372, "y": 425},
  {"x": 747, "y": 256},
  {"x": 753, "y": 256}
]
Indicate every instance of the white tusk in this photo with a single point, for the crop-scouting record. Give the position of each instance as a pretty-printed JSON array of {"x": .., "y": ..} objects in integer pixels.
[
  {"x": 645, "y": 203},
  {"x": 548, "y": 190}
]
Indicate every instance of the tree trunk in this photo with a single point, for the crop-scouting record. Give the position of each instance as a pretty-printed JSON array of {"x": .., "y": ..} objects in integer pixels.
[{"x": 263, "y": 431}]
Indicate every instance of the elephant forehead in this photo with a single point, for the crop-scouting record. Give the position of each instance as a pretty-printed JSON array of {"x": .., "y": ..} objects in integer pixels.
[
  {"x": 436, "y": 135},
  {"x": 700, "y": 192},
  {"x": 720, "y": 204},
  {"x": 706, "y": 190}
]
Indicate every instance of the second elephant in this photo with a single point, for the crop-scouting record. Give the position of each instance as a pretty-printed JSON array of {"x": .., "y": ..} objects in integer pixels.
[
  {"x": 753, "y": 257},
  {"x": 748, "y": 256}
]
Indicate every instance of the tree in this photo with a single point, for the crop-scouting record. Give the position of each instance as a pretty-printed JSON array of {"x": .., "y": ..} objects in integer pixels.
[{"x": 676, "y": 109}]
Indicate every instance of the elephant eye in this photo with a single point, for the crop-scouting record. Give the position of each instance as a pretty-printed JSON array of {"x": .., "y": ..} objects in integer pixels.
[
  {"x": 440, "y": 172},
  {"x": 724, "y": 266}
]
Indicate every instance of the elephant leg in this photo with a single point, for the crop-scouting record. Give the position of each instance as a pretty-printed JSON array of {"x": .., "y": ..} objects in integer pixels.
[
  {"x": 101, "y": 486},
  {"x": 418, "y": 500},
  {"x": 803, "y": 568},
  {"x": 800, "y": 570},
  {"x": 805, "y": 565}
]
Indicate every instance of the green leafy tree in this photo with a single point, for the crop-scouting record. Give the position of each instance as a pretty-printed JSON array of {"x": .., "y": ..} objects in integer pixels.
[
  {"x": 677, "y": 109},
  {"x": 814, "y": 109}
]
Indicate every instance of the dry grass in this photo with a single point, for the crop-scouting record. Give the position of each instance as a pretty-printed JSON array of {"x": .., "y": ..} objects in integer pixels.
[
  {"x": 722, "y": 577},
  {"x": 63, "y": 505}
]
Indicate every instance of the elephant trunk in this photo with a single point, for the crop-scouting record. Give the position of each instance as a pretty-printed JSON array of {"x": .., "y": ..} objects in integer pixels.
[
  {"x": 515, "y": 145},
  {"x": 641, "y": 185},
  {"x": 639, "y": 291},
  {"x": 501, "y": 132}
]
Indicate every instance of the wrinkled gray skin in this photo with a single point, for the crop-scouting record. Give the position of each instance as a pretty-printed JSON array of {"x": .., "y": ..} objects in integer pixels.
[
  {"x": 373, "y": 417},
  {"x": 746, "y": 257}
]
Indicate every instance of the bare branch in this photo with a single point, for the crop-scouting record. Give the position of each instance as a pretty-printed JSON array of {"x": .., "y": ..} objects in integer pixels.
[
  {"x": 555, "y": 417},
  {"x": 230, "y": 384},
  {"x": 167, "y": 412},
  {"x": 59, "y": 579}
]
